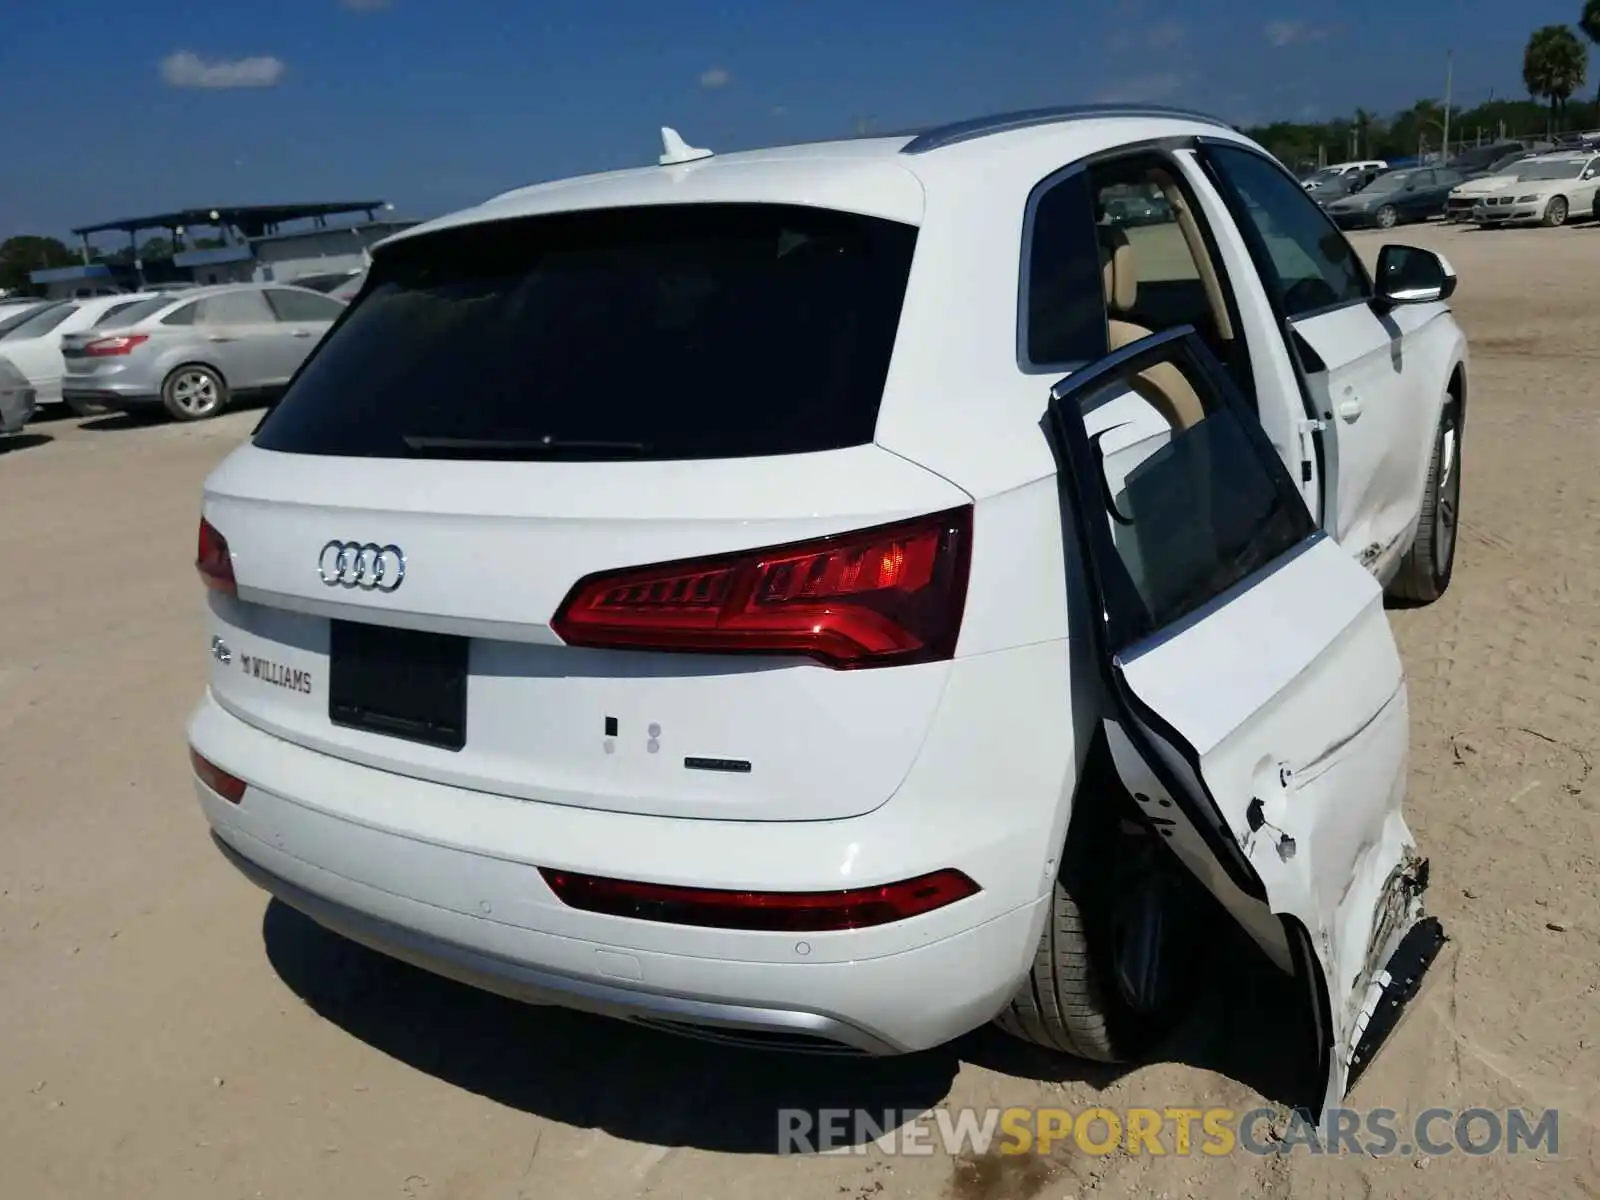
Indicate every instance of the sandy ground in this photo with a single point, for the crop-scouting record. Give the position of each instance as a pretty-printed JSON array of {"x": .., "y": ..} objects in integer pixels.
[{"x": 165, "y": 1032}]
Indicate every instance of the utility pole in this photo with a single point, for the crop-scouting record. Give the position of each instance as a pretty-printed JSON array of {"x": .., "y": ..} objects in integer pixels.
[{"x": 1449, "y": 71}]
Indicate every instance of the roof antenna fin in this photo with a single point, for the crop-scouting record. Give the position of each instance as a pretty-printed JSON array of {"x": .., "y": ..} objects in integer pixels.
[{"x": 678, "y": 150}]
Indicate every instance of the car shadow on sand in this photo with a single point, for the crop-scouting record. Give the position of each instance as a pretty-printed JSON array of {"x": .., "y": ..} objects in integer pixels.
[
  {"x": 654, "y": 1088},
  {"x": 11, "y": 443},
  {"x": 112, "y": 422}
]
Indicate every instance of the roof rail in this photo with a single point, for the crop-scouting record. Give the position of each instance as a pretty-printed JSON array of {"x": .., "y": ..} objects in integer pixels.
[{"x": 978, "y": 127}]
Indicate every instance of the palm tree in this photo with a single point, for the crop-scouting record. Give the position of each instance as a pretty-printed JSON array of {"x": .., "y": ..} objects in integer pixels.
[
  {"x": 1554, "y": 66},
  {"x": 1589, "y": 24}
]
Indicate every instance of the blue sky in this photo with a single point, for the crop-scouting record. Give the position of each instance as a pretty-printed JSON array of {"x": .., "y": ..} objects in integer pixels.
[{"x": 110, "y": 109}]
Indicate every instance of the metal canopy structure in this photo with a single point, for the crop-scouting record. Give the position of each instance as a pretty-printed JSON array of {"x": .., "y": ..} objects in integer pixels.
[{"x": 251, "y": 220}]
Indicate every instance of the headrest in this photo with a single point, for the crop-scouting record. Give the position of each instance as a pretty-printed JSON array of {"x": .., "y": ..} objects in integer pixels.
[{"x": 1117, "y": 271}]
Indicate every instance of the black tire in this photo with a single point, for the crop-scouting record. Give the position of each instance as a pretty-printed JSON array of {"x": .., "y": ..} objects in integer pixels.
[
  {"x": 1426, "y": 570},
  {"x": 1062, "y": 1005},
  {"x": 1076, "y": 998},
  {"x": 1555, "y": 213},
  {"x": 194, "y": 393},
  {"x": 1387, "y": 217}
]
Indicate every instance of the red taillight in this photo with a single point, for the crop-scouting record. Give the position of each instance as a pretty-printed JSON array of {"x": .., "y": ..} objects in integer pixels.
[
  {"x": 787, "y": 912},
  {"x": 880, "y": 596},
  {"x": 213, "y": 561},
  {"x": 108, "y": 347},
  {"x": 229, "y": 787}
]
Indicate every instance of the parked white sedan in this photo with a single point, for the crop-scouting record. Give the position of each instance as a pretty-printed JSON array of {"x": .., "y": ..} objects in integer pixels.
[
  {"x": 834, "y": 596},
  {"x": 34, "y": 346},
  {"x": 1547, "y": 190}
]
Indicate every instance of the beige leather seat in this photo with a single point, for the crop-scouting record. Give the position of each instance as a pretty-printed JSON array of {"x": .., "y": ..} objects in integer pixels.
[{"x": 1162, "y": 386}]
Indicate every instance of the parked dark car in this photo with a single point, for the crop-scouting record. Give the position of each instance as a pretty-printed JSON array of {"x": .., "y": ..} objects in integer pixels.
[
  {"x": 1130, "y": 206},
  {"x": 1395, "y": 198},
  {"x": 1478, "y": 160},
  {"x": 1336, "y": 187}
]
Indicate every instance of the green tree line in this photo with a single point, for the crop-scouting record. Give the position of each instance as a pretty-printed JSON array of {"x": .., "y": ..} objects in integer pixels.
[{"x": 1555, "y": 67}]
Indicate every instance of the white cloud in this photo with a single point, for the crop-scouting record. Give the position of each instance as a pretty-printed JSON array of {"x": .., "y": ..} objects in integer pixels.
[
  {"x": 716, "y": 77},
  {"x": 185, "y": 69},
  {"x": 1160, "y": 85},
  {"x": 1289, "y": 33},
  {"x": 364, "y": 5}
]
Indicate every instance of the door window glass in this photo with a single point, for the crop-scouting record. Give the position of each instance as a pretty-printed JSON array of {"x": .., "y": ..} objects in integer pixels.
[
  {"x": 303, "y": 306},
  {"x": 1183, "y": 496},
  {"x": 235, "y": 308},
  {"x": 1066, "y": 312},
  {"x": 1314, "y": 264}
]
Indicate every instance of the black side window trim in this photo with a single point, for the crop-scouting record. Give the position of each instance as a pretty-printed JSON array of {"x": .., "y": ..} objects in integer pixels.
[
  {"x": 1030, "y": 213},
  {"x": 1252, "y": 236}
]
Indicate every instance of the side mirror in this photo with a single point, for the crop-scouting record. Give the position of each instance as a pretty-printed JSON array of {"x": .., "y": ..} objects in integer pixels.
[{"x": 1409, "y": 275}]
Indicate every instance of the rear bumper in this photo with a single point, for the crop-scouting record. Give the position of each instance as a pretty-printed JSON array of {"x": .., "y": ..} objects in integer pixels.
[
  {"x": 777, "y": 1027},
  {"x": 487, "y": 918}
]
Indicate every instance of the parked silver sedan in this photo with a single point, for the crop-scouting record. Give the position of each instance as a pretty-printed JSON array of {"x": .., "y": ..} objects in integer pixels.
[{"x": 196, "y": 352}]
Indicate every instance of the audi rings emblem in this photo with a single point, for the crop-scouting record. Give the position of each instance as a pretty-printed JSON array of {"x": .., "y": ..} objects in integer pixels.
[{"x": 364, "y": 565}]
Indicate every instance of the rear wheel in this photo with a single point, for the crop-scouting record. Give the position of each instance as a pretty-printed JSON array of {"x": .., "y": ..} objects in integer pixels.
[
  {"x": 193, "y": 393},
  {"x": 1116, "y": 955},
  {"x": 1555, "y": 213},
  {"x": 1427, "y": 567}
]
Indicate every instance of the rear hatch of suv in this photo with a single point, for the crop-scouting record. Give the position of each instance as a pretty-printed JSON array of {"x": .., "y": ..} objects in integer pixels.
[{"x": 586, "y": 509}]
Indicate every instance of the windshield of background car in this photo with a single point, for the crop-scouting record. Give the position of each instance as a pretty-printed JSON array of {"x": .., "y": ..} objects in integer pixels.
[
  {"x": 1551, "y": 170},
  {"x": 670, "y": 332},
  {"x": 1394, "y": 181},
  {"x": 1500, "y": 164},
  {"x": 38, "y": 324}
]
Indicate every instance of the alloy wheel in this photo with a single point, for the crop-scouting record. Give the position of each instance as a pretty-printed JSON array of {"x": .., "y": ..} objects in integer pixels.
[{"x": 195, "y": 392}]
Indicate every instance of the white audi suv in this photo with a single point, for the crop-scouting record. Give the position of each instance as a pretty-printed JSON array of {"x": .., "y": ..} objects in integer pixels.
[{"x": 833, "y": 596}]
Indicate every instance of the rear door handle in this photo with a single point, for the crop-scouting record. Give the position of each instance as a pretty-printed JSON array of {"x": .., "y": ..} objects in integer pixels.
[
  {"x": 221, "y": 337},
  {"x": 1350, "y": 409},
  {"x": 300, "y": 333}
]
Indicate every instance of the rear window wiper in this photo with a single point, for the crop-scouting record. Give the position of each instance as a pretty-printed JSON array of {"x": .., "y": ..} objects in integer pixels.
[{"x": 514, "y": 448}]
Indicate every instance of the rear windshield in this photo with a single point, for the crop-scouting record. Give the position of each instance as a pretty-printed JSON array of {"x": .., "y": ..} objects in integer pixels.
[
  {"x": 669, "y": 332},
  {"x": 130, "y": 314},
  {"x": 39, "y": 323}
]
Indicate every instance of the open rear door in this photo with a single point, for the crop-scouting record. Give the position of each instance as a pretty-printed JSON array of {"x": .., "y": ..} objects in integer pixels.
[{"x": 1258, "y": 700}]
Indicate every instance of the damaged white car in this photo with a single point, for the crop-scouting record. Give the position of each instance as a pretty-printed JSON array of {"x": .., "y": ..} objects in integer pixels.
[{"x": 834, "y": 596}]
